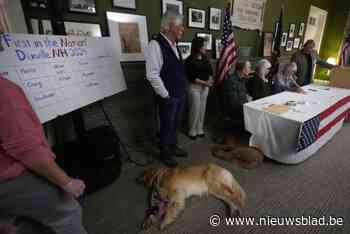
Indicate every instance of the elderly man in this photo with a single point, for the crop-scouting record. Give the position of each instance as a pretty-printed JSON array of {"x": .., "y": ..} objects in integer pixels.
[
  {"x": 306, "y": 59},
  {"x": 166, "y": 73},
  {"x": 234, "y": 92}
]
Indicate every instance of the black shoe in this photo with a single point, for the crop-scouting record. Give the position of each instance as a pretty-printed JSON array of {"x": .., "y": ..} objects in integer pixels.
[
  {"x": 201, "y": 135},
  {"x": 169, "y": 161},
  {"x": 178, "y": 152},
  {"x": 192, "y": 137}
]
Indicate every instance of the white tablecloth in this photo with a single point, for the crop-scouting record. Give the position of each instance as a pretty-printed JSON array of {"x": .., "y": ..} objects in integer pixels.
[{"x": 277, "y": 135}]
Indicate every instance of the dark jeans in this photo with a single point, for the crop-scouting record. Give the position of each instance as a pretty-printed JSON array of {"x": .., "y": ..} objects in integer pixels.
[
  {"x": 170, "y": 117},
  {"x": 237, "y": 115}
]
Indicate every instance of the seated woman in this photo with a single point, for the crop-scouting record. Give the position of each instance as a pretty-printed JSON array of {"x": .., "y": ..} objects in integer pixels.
[
  {"x": 258, "y": 85},
  {"x": 286, "y": 80}
]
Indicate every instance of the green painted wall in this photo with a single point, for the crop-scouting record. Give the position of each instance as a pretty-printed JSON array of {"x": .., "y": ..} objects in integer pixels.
[
  {"x": 333, "y": 34},
  {"x": 296, "y": 11}
]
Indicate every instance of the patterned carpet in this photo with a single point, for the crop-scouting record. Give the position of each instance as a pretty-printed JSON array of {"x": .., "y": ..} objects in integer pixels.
[{"x": 318, "y": 187}]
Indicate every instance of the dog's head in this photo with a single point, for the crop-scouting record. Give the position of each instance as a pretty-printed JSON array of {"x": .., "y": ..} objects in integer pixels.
[{"x": 148, "y": 177}]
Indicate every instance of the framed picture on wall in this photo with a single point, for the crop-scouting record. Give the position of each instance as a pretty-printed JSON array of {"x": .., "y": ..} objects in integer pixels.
[
  {"x": 172, "y": 5},
  {"x": 289, "y": 45},
  {"x": 82, "y": 29},
  {"x": 83, "y": 6},
  {"x": 284, "y": 39},
  {"x": 214, "y": 18},
  {"x": 301, "y": 29},
  {"x": 207, "y": 40},
  {"x": 268, "y": 39},
  {"x": 185, "y": 49},
  {"x": 130, "y": 34},
  {"x": 291, "y": 33},
  {"x": 296, "y": 43},
  {"x": 196, "y": 18},
  {"x": 41, "y": 26},
  {"x": 129, "y": 4},
  {"x": 43, "y": 4},
  {"x": 218, "y": 48}
]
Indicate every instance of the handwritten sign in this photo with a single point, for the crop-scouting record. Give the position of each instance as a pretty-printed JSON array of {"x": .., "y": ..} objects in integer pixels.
[
  {"x": 61, "y": 73},
  {"x": 248, "y": 14}
]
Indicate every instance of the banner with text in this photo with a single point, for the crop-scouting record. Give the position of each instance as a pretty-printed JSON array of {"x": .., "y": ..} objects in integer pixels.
[
  {"x": 60, "y": 74},
  {"x": 248, "y": 14}
]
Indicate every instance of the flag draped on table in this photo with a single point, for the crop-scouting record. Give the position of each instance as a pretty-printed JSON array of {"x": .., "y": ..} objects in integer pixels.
[
  {"x": 316, "y": 127},
  {"x": 228, "y": 54}
]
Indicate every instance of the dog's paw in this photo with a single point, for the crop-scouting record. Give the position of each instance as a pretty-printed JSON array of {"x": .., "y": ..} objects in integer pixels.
[
  {"x": 164, "y": 223},
  {"x": 149, "y": 221},
  {"x": 235, "y": 213}
]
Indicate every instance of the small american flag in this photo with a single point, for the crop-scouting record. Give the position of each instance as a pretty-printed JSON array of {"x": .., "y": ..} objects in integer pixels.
[
  {"x": 228, "y": 53},
  {"x": 345, "y": 53},
  {"x": 316, "y": 127}
]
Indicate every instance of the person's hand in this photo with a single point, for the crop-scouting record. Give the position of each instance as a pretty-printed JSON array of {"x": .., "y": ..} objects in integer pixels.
[
  {"x": 210, "y": 83},
  {"x": 302, "y": 91},
  {"x": 74, "y": 187}
]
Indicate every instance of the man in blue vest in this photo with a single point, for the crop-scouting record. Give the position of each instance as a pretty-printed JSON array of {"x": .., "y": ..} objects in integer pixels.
[{"x": 166, "y": 73}]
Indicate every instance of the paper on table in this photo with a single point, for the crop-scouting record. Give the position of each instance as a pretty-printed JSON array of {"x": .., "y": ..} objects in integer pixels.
[{"x": 277, "y": 109}]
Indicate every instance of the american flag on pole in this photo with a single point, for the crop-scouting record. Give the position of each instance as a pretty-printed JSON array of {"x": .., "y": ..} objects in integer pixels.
[
  {"x": 228, "y": 53},
  {"x": 319, "y": 125}
]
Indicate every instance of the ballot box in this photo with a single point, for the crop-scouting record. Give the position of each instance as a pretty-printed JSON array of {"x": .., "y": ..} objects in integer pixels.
[{"x": 340, "y": 77}]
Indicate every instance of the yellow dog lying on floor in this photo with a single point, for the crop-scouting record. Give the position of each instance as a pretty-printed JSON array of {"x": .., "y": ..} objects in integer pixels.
[{"x": 174, "y": 185}]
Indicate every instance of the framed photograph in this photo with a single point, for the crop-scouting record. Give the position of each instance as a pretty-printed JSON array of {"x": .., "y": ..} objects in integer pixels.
[
  {"x": 301, "y": 29},
  {"x": 296, "y": 43},
  {"x": 44, "y": 28},
  {"x": 218, "y": 48},
  {"x": 82, "y": 29},
  {"x": 185, "y": 49},
  {"x": 207, "y": 40},
  {"x": 284, "y": 39},
  {"x": 129, "y": 4},
  {"x": 215, "y": 19},
  {"x": 291, "y": 33},
  {"x": 196, "y": 18},
  {"x": 43, "y": 4},
  {"x": 268, "y": 39},
  {"x": 172, "y": 5},
  {"x": 289, "y": 45},
  {"x": 130, "y": 34},
  {"x": 83, "y": 6}
]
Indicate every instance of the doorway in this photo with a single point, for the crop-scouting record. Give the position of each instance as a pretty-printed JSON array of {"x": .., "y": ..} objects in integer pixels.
[{"x": 316, "y": 23}]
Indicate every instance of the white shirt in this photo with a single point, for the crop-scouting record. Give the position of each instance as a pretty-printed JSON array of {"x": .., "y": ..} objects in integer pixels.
[{"x": 154, "y": 63}]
